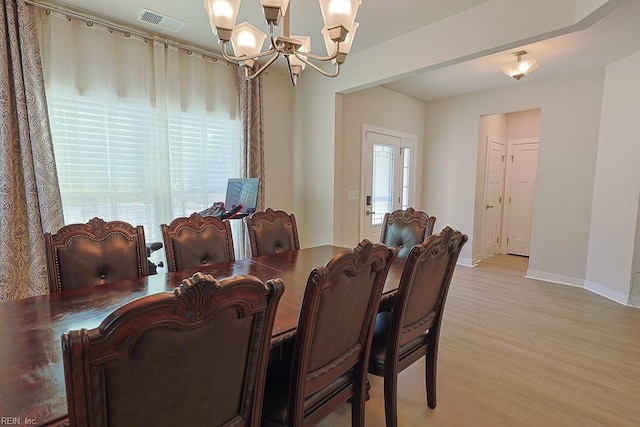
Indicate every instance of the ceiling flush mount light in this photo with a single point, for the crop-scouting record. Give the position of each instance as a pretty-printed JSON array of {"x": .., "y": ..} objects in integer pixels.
[
  {"x": 246, "y": 40},
  {"x": 520, "y": 68}
]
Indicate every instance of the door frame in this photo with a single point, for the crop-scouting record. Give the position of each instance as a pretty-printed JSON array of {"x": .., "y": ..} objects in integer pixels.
[{"x": 406, "y": 140}]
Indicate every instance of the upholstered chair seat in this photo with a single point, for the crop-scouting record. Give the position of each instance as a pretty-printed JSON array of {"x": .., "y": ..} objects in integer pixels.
[
  {"x": 379, "y": 346},
  {"x": 277, "y": 398}
]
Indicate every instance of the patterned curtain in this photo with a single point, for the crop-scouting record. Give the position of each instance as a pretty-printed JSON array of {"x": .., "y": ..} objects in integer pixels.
[
  {"x": 30, "y": 201},
  {"x": 250, "y": 93}
]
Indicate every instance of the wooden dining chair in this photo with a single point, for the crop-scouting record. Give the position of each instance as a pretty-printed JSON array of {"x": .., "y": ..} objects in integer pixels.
[
  {"x": 271, "y": 232},
  {"x": 328, "y": 363},
  {"x": 197, "y": 241},
  {"x": 193, "y": 357},
  {"x": 402, "y": 229},
  {"x": 411, "y": 329},
  {"x": 95, "y": 253}
]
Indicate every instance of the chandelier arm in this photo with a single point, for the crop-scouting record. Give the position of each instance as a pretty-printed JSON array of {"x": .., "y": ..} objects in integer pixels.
[
  {"x": 292, "y": 76},
  {"x": 321, "y": 58},
  {"x": 262, "y": 68},
  {"x": 273, "y": 40},
  {"x": 315, "y": 67},
  {"x": 232, "y": 58}
]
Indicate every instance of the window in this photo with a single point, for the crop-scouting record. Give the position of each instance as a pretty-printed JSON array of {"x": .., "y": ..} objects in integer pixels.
[
  {"x": 142, "y": 131},
  {"x": 118, "y": 159},
  {"x": 204, "y": 152}
]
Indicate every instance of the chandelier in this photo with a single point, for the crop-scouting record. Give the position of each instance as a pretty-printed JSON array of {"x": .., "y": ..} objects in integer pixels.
[{"x": 246, "y": 40}]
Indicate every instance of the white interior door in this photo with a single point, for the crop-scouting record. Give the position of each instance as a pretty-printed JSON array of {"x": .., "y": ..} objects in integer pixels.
[
  {"x": 494, "y": 187},
  {"x": 387, "y": 177},
  {"x": 522, "y": 186}
]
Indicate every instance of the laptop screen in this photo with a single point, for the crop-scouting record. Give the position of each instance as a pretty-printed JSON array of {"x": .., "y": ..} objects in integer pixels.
[{"x": 242, "y": 191}]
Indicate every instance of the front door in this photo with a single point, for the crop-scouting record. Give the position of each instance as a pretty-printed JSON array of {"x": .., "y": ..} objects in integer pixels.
[{"x": 387, "y": 176}]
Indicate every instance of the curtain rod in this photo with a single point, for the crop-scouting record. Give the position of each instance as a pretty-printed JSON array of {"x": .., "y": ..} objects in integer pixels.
[{"x": 90, "y": 20}]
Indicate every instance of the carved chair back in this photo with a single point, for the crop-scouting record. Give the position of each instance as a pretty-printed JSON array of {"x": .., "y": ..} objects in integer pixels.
[
  {"x": 196, "y": 241},
  {"x": 403, "y": 229},
  {"x": 95, "y": 253},
  {"x": 412, "y": 329},
  {"x": 271, "y": 232},
  {"x": 331, "y": 350},
  {"x": 195, "y": 356}
]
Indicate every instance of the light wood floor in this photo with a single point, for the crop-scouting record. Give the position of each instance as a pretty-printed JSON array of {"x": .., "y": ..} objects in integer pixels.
[{"x": 521, "y": 352}]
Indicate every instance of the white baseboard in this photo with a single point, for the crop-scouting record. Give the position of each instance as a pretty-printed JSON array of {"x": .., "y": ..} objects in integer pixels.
[
  {"x": 601, "y": 290},
  {"x": 596, "y": 288},
  {"x": 555, "y": 278},
  {"x": 467, "y": 262}
]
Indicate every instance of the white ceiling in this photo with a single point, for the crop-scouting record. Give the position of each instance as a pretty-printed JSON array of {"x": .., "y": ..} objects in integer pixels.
[
  {"x": 376, "y": 26},
  {"x": 613, "y": 37}
]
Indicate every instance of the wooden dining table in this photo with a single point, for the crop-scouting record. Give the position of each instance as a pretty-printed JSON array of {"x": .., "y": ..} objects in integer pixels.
[{"x": 32, "y": 387}]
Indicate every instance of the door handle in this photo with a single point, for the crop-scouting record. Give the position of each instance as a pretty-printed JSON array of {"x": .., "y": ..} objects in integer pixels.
[
  {"x": 369, "y": 212},
  {"x": 489, "y": 206}
]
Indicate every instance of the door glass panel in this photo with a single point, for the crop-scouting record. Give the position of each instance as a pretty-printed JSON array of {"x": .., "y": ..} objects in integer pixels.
[
  {"x": 382, "y": 193},
  {"x": 406, "y": 176}
]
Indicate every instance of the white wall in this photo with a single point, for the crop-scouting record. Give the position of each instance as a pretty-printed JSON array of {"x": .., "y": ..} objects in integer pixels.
[
  {"x": 634, "y": 297},
  {"x": 382, "y": 108},
  {"x": 614, "y": 223},
  {"x": 568, "y": 139},
  {"x": 523, "y": 124},
  {"x": 278, "y": 157},
  {"x": 566, "y": 164},
  {"x": 314, "y": 140},
  {"x": 478, "y": 31}
]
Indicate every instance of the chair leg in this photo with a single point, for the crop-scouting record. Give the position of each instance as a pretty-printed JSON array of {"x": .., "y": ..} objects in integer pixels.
[
  {"x": 367, "y": 396},
  {"x": 430, "y": 372},
  {"x": 357, "y": 406},
  {"x": 391, "y": 399}
]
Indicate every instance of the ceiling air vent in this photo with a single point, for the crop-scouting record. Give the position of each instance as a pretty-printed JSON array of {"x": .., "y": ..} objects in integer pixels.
[{"x": 159, "y": 20}]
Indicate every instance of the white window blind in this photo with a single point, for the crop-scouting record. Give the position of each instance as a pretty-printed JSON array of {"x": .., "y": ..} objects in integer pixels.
[
  {"x": 204, "y": 151},
  {"x": 117, "y": 159}
]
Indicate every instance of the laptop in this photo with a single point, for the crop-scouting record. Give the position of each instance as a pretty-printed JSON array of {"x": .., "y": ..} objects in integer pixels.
[{"x": 242, "y": 195}]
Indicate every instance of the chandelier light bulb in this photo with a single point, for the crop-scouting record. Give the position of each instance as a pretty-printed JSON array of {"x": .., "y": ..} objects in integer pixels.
[
  {"x": 341, "y": 7},
  {"x": 222, "y": 8},
  {"x": 247, "y": 39}
]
